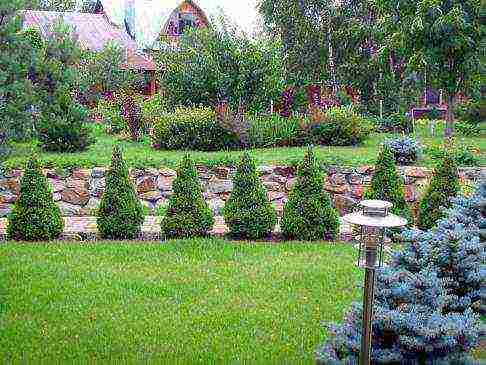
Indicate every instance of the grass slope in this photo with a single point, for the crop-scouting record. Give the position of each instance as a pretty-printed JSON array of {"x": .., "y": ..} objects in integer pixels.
[
  {"x": 192, "y": 301},
  {"x": 143, "y": 155}
]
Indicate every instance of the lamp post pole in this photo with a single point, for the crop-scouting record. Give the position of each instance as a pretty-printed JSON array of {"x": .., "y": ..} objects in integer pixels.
[
  {"x": 368, "y": 296},
  {"x": 373, "y": 218}
]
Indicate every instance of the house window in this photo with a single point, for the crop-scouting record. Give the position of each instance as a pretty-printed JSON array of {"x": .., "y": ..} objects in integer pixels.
[{"x": 186, "y": 21}]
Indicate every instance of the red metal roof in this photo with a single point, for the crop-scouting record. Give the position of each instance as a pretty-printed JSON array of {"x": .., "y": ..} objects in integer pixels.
[{"x": 92, "y": 31}]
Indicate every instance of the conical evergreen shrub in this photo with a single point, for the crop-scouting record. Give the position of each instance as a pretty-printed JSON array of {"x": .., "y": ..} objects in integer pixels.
[
  {"x": 443, "y": 186},
  {"x": 388, "y": 185},
  {"x": 308, "y": 214},
  {"x": 120, "y": 215},
  {"x": 248, "y": 212},
  {"x": 188, "y": 214},
  {"x": 35, "y": 216}
]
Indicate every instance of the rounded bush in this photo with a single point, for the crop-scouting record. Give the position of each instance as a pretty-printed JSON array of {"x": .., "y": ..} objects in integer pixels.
[
  {"x": 192, "y": 129},
  {"x": 308, "y": 214},
  {"x": 388, "y": 185},
  {"x": 120, "y": 215},
  {"x": 405, "y": 149},
  {"x": 248, "y": 212},
  {"x": 443, "y": 186},
  {"x": 35, "y": 216},
  {"x": 339, "y": 126},
  {"x": 188, "y": 214}
]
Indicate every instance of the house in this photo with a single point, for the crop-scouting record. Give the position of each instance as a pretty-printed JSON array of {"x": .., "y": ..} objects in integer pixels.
[{"x": 138, "y": 26}]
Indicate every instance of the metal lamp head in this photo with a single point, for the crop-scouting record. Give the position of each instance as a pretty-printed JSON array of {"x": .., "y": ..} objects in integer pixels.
[{"x": 373, "y": 218}]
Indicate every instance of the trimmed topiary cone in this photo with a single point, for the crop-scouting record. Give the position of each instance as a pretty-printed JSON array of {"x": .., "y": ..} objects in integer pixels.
[
  {"x": 35, "y": 216},
  {"x": 443, "y": 186},
  {"x": 188, "y": 214},
  {"x": 308, "y": 214},
  {"x": 120, "y": 215},
  {"x": 387, "y": 184},
  {"x": 248, "y": 212}
]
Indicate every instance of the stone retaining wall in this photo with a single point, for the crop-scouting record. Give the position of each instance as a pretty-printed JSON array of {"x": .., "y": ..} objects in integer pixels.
[{"x": 78, "y": 192}]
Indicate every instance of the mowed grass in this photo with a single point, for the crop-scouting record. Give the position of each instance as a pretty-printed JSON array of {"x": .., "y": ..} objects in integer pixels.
[
  {"x": 206, "y": 301},
  {"x": 141, "y": 154}
]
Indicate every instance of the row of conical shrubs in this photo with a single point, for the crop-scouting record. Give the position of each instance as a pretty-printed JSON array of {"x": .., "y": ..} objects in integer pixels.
[{"x": 308, "y": 214}]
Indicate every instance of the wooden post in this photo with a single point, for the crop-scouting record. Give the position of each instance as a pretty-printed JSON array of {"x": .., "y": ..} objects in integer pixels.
[
  {"x": 153, "y": 83},
  {"x": 381, "y": 109},
  {"x": 440, "y": 97},
  {"x": 271, "y": 107}
]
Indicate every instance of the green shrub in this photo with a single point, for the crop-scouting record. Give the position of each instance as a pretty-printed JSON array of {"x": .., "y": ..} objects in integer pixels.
[
  {"x": 473, "y": 111},
  {"x": 62, "y": 126},
  {"x": 387, "y": 184},
  {"x": 120, "y": 215},
  {"x": 192, "y": 129},
  {"x": 467, "y": 128},
  {"x": 248, "y": 212},
  {"x": 35, "y": 216},
  {"x": 339, "y": 126},
  {"x": 443, "y": 186},
  {"x": 464, "y": 155},
  {"x": 308, "y": 214},
  {"x": 188, "y": 214},
  {"x": 154, "y": 107},
  {"x": 110, "y": 111},
  {"x": 275, "y": 131}
]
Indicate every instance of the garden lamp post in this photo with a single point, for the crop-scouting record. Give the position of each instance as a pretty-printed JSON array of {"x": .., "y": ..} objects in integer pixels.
[{"x": 373, "y": 218}]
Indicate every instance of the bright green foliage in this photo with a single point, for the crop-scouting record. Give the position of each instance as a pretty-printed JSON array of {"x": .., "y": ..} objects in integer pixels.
[
  {"x": 120, "y": 215},
  {"x": 192, "y": 129},
  {"x": 387, "y": 184},
  {"x": 188, "y": 214},
  {"x": 444, "y": 185},
  {"x": 62, "y": 123},
  {"x": 221, "y": 64},
  {"x": 308, "y": 214},
  {"x": 35, "y": 217},
  {"x": 16, "y": 93},
  {"x": 248, "y": 212}
]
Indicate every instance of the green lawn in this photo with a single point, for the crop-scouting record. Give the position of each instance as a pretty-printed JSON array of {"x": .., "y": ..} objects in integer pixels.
[
  {"x": 192, "y": 301},
  {"x": 141, "y": 154}
]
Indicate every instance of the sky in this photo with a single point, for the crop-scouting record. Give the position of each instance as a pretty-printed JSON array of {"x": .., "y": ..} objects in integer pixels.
[{"x": 241, "y": 12}]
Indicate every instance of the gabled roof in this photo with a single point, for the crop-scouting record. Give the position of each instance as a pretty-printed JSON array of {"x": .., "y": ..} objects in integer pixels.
[{"x": 92, "y": 31}]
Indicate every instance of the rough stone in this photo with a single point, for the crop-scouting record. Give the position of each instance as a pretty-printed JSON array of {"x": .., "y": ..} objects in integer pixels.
[
  {"x": 69, "y": 210},
  {"x": 57, "y": 197},
  {"x": 7, "y": 198},
  {"x": 93, "y": 205},
  {"x": 216, "y": 205},
  {"x": 164, "y": 183},
  {"x": 264, "y": 170},
  {"x": 337, "y": 179},
  {"x": 56, "y": 185},
  {"x": 366, "y": 170},
  {"x": 81, "y": 174},
  {"x": 283, "y": 170},
  {"x": 75, "y": 196},
  {"x": 290, "y": 183},
  {"x": 146, "y": 184},
  {"x": 166, "y": 194},
  {"x": 168, "y": 173},
  {"x": 278, "y": 179},
  {"x": 410, "y": 195},
  {"x": 355, "y": 179},
  {"x": 357, "y": 191},
  {"x": 151, "y": 196},
  {"x": 5, "y": 210},
  {"x": 14, "y": 173},
  {"x": 344, "y": 204},
  {"x": 272, "y": 196},
  {"x": 220, "y": 186},
  {"x": 272, "y": 186},
  {"x": 136, "y": 173},
  {"x": 416, "y": 172},
  {"x": 98, "y": 172},
  {"x": 337, "y": 189},
  {"x": 221, "y": 172},
  {"x": 76, "y": 184},
  {"x": 97, "y": 187},
  {"x": 11, "y": 184}
]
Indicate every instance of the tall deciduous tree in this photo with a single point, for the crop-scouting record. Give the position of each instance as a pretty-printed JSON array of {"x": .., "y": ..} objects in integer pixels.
[{"x": 440, "y": 38}]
